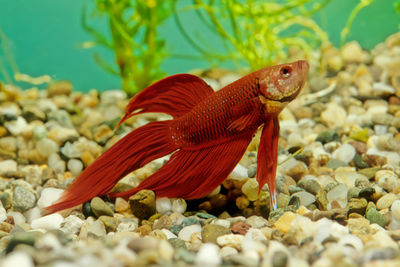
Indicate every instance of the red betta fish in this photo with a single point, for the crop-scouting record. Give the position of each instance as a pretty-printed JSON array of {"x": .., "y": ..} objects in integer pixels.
[{"x": 208, "y": 135}]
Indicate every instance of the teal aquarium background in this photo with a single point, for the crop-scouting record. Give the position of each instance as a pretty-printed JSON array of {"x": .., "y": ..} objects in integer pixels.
[{"x": 46, "y": 37}]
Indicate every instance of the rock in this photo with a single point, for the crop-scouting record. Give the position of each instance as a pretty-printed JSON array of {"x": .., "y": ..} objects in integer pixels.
[
  {"x": 279, "y": 259},
  {"x": 163, "y": 205},
  {"x": 111, "y": 97},
  {"x": 59, "y": 88},
  {"x": 109, "y": 222},
  {"x": 240, "y": 228},
  {"x": 17, "y": 127},
  {"x": 121, "y": 204},
  {"x": 75, "y": 166},
  {"x": 327, "y": 136},
  {"x": 357, "y": 205},
  {"x": 99, "y": 207},
  {"x": 310, "y": 185},
  {"x": 375, "y": 217},
  {"x": 386, "y": 201},
  {"x": 306, "y": 198},
  {"x": 388, "y": 180},
  {"x": 49, "y": 196},
  {"x": 18, "y": 258},
  {"x": 23, "y": 199},
  {"x": 179, "y": 205},
  {"x": 49, "y": 222},
  {"x": 335, "y": 163},
  {"x": 71, "y": 225},
  {"x": 128, "y": 225},
  {"x": 8, "y": 166},
  {"x": 337, "y": 195},
  {"x": 334, "y": 116},
  {"x": 143, "y": 204},
  {"x": 186, "y": 233},
  {"x": 238, "y": 173},
  {"x": 250, "y": 189},
  {"x": 46, "y": 147},
  {"x": 164, "y": 222},
  {"x": 353, "y": 53},
  {"x": 3, "y": 213},
  {"x": 345, "y": 153},
  {"x": 257, "y": 222},
  {"x": 208, "y": 255},
  {"x": 231, "y": 240},
  {"x": 210, "y": 232},
  {"x": 227, "y": 251}
]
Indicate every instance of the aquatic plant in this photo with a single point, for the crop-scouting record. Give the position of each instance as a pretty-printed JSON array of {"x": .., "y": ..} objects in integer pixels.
[
  {"x": 139, "y": 50},
  {"x": 346, "y": 30},
  {"x": 255, "y": 32}
]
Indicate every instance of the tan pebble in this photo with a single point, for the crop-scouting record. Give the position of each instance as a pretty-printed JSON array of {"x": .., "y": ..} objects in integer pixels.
[
  {"x": 3, "y": 131},
  {"x": 231, "y": 240},
  {"x": 121, "y": 204},
  {"x": 87, "y": 158},
  {"x": 386, "y": 201},
  {"x": 6, "y": 227},
  {"x": 242, "y": 202},
  {"x": 144, "y": 230},
  {"x": 158, "y": 234},
  {"x": 283, "y": 223}
]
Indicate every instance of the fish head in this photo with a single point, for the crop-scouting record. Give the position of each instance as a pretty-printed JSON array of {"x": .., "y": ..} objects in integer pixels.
[{"x": 280, "y": 84}]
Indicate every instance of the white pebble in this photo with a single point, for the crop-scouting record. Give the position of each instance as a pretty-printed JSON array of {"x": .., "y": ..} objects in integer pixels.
[
  {"x": 56, "y": 163},
  {"x": 72, "y": 225},
  {"x": 75, "y": 166},
  {"x": 186, "y": 232},
  {"x": 163, "y": 205},
  {"x": 215, "y": 191},
  {"x": 165, "y": 250},
  {"x": 17, "y": 126},
  {"x": 239, "y": 173},
  {"x": 208, "y": 255},
  {"x": 168, "y": 233},
  {"x": 46, "y": 147},
  {"x": 49, "y": 222},
  {"x": 32, "y": 214},
  {"x": 222, "y": 222},
  {"x": 351, "y": 240},
  {"x": 232, "y": 240},
  {"x": 48, "y": 242},
  {"x": 19, "y": 218},
  {"x": 17, "y": 258},
  {"x": 3, "y": 213},
  {"x": 48, "y": 196},
  {"x": 179, "y": 205},
  {"x": 396, "y": 210},
  {"x": 338, "y": 194},
  {"x": 345, "y": 153},
  {"x": 8, "y": 165},
  {"x": 227, "y": 251}
]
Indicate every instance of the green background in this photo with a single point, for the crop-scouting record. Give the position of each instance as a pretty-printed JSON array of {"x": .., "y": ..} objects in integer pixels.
[{"x": 45, "y": 37}]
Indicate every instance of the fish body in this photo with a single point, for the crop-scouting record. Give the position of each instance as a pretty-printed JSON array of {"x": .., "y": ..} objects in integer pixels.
[{"x": 207, "y": 136}]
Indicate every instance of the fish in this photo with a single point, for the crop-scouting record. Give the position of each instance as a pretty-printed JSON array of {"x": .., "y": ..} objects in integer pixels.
[{"x": 206, "y": 137}]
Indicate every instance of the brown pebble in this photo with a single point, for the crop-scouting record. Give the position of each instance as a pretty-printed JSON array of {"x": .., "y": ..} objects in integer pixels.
[
  {"x": 394, "y": 100},
  {"x": 10, "y": 220},
  {"x": 218, "y": 201},
  {"x": 375, "y": 160},
  {"x": 6, "y": 227},
  {"x": 206, "y": 205},
  {"x": 144, "y": 230},
  {"x": 360, "y": 147},
  {"x": 240, "y": 228}
]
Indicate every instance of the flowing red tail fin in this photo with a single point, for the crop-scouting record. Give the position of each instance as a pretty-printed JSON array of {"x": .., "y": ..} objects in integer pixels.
[{"x": 130, "y": 153}]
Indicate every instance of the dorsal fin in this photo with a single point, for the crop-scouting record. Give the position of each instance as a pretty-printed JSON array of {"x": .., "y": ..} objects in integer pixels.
[{"x": 174, "y": 95}]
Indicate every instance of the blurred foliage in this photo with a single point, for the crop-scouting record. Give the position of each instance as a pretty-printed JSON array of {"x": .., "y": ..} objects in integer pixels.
[
  {"x": 346, "y": 30},
  {"x": 138, "y": 48},
  {"x": 397, "y": 9},
  {"x": 255, "y": 32}
]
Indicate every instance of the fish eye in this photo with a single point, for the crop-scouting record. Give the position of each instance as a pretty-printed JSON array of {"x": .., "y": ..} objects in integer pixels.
[{"x": 286, "y": 71}]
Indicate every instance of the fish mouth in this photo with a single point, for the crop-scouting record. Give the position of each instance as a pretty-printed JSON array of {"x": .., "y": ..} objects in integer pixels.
[{"x": 274, "y": 106}]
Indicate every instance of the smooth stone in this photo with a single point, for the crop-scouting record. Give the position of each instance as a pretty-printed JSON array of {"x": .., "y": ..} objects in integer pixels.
[
  {"x": 186, "y": 232},
  {"x": 396, "y": 210},
  {"x": 327, "y": 136},
  {"x": 179, "y": 205},
  {"x": 16, "y": 127},
  {"x": 359, "y": 162},
  {"x": 18, "y": 258},
  {"x": 375, "y": 217},
  {"x": 23, "y": 199},
  {"x": 345, "y": 153},
  {"x": 305, "y": 198},
  {"x": 338, "y": 194},
  {"x": 357, "y": 205},
  {"x": 62, "y": 117},
  {"x": 8, "y": 165},
  {"x": 46, "y": 147},
  {"x": 110, "y": 97},
  {"x": 386, "y": 201},
  {"x": 3, "y": 213},
  {"x": 143, "y": 204},
  {"x": 210, "y": 232},
  {"x": 49, "y": 196},
  {"x": 388, "y": 180},
  {"x": 59, "y": 88},
  {"x": 163, "y": 205},
  {"x": 128, "y": 225},
  {"x": 232, "y": 240},
  {"x": 177, "y": 243},
  {"x": 109, "y": 222},
  {"x": 99, "y": 207},
  {"x": 310, "y": 185},
  {"x": 257, "y": 221},
  {"x": 75, "y": 166},
  {"x": 279, "y": 259},
  {"x": 250, "y": 189},
  {"x": 49, "y": 222},
  {"x": 335, "y": 163},
  {"x": 334, "y": 115},
  {"x": 208, "y": 255},
  {"x": 227, "y": 251},
  {"x": 72, "y": 225},
  {"x": 238, "y": 173}
]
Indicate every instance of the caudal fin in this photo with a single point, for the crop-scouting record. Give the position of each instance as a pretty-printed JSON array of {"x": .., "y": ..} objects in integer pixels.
[{"x": 136, "y": 149}]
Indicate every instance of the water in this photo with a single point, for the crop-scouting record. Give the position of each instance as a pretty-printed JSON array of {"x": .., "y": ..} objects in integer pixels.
[{"x": 45, "y": 38}]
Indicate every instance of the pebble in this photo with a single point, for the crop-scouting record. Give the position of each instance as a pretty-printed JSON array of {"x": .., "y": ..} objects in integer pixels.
[
  {"x": 49, "y": 222},
  {"x": 231, "y": 240},
  {"x": 75, "y": 166},
  {"x": 210, "y": 232},
  {"x": 208, "y": 255},
  {"x": 250, "y": 189},
  {"x": 23, "y": 199},
  {"x": 186, "y": 233},
  {"x": 100, "y": 208},
  {"x": 71, "y": 224},
  {"x": 345, "y": 153},
  {"x": 163, "y": 205},
  {"x": 238, "y": 173},
  {"x": 143, "y": 204},
  {"x": 49, "y": 196},
  {"x": 179, "y": 205},
  {"x": 17, "y": 258},
  {"x": 306, "y": 198},
  {"x": 8, "y": 166},
  {"x": 386, "y": 201}
]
